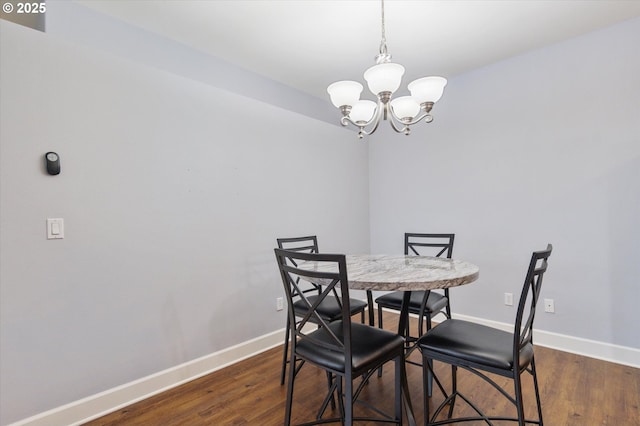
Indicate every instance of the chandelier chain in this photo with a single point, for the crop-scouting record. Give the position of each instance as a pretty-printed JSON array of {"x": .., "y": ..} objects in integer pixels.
[{"x": 383, "y": 42}]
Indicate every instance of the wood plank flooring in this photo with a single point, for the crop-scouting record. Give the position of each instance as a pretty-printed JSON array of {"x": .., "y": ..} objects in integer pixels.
[{"x": 575, "y": 391}]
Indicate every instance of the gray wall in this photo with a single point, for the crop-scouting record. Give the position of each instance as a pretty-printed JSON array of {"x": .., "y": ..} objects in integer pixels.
[
  {"x": 70, "y": 20},
  {"x": 156, "y": 184},
  {"x": 541, "y": 148},
  {"x": 171, "y": 203}
]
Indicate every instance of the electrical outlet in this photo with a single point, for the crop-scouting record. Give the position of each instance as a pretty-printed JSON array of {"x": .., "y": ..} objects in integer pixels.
[
  {"x": 508, "y": 299},
  {"x": 549, "y": 306},
  {"x": 279, "y": 304}
]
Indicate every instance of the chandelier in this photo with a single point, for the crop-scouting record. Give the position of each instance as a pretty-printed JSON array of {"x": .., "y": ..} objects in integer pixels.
[{"x": 383, "y": 80}]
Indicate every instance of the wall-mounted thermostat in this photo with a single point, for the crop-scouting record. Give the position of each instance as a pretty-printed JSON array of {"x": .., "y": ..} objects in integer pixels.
[{"x": 52, "y": 160}]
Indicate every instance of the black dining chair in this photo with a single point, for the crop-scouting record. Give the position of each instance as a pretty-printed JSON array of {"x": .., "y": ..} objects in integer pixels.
[
  {"x": 482, "y": 349},
  {"x": 425, "y": 304},
  {"x": 343, "y": 349},
  {"x": 330, "y": 308}
]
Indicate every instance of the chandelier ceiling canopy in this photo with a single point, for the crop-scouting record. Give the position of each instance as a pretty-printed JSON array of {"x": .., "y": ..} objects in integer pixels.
[{"x": 383, "y": 79}]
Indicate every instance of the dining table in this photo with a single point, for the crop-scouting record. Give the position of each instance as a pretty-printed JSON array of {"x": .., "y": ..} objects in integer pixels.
[{"x": 407, "y": 273}]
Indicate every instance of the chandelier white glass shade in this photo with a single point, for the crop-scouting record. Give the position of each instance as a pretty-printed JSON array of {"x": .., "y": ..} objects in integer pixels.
[{"x": 383, "y": 80}]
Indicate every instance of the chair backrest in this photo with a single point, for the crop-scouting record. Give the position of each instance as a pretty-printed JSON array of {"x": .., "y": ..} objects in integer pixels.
[
  {"x": 307, "y": 244},
  {"x": 328, "y": 271},
  {"x": 303, "y": 244},
  {"x": 523, "y": 331},
  {"x": 429, "y": 244}
]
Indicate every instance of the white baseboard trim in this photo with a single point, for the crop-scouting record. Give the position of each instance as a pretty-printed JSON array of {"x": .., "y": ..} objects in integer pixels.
[
  {"x": 590, "y": 348},
  {"x": 92, "y": 407}
]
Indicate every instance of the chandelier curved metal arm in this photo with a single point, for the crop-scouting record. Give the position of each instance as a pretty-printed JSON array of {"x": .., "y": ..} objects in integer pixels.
[
  {"x": 362, "y": 125},
  {"x": 383, "y": 79},
  {"x": 384, "y": 112}
]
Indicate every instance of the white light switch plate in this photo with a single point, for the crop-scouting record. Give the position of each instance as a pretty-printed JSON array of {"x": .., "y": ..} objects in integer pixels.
[{"x": 55, "y": 229}]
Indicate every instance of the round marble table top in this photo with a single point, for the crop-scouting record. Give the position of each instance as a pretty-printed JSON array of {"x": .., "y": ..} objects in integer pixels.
[{"x": 407, "y": 273}]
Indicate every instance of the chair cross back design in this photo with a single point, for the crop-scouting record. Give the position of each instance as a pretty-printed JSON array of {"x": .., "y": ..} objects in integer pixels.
[
  {"x": 479, "y": 348},
  {"x": 343, "y": 349},
  {"x": 329, "y": 308},
  {"x": 432, "y": 303},
  {"x": 312, "y": 315},
  {"x": 446, "y": 246},
  {"x": 426, "y": 304}
]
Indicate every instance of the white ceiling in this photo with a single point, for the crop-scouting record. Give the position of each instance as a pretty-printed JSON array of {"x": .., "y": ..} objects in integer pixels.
[{"x": 309, "y": 44}]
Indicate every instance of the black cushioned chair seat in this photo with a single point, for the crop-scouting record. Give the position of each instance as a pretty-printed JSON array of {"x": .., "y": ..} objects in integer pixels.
[
  {"x": 368, "y": 345},
  {"x": 435, "y": 303},
  {"x": 475, "y": 343},
  {"x": 328, "y": 308}
]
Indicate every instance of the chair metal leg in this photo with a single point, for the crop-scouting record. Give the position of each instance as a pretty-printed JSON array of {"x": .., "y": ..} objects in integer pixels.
[
  {"x": 348, "y": 397},
  {"x": 535, "y": 385},
  {"x": 330, "y": 398},
  {"x": 406, "y": 397},
  {"x": 284, "y": 353},
  {"x": 380, "y": 326},
  {"x": 517, "y": 384},
  {"x": 292, "y": 376},
  {"x": 399, "y": 364},
  {"x": 426, "y": 375},
  {"x": 330, "y": 387},
  {"x": 448, "y": 308},
  {"x": 449, "y": 398},
  {"x": 372, "y": 322},
  {"x": 340, "y": 397},
  {"x": 454, "y": 389},
  {"x": 430, "y": 378}
]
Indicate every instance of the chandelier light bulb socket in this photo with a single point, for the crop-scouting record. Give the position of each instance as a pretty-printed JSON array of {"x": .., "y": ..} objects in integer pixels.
[
  {"x": 427, "y": 106},
  {"x": 345, "y": 110},
  {"x": 344, "y": 93},
  {"x": 385, "y": 97}
]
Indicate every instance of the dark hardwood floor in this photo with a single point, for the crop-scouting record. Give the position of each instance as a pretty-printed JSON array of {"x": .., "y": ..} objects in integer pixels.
[{"x": 575, "y": 391}]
